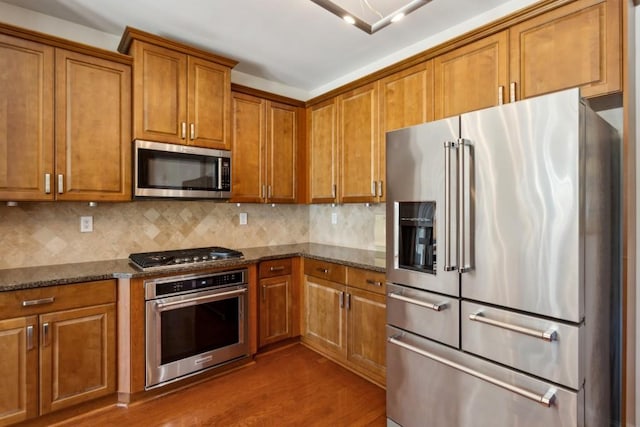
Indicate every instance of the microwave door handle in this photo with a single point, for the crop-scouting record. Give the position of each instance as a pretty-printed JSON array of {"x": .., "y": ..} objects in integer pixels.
[{"x": 220, "y": 173}]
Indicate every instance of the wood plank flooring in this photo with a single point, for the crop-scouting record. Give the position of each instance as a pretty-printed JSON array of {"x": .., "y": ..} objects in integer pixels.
[{"x": 293, "y": 386}]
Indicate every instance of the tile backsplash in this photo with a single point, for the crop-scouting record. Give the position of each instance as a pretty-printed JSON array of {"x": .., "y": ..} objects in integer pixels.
[{"x": 34, "y": 234}]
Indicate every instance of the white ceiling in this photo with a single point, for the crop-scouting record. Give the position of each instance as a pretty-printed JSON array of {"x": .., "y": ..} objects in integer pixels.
[{"x": 292, "y": 43}]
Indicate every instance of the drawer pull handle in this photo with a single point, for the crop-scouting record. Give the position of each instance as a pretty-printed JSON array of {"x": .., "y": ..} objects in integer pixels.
[
  {"x": 323, "y": 270},
  {"x": 435, "y": 307},
  {"x": 279, "y": 268},
  {"x": 546, "y": 399},
  {"x": 40, "y": 301},
  {"x": 548, "y": 335},
  {"x": 374, "y": 282}
]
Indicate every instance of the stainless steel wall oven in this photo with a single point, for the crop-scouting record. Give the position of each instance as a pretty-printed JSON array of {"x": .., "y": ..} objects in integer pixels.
[{"x": 194, "y": 322}]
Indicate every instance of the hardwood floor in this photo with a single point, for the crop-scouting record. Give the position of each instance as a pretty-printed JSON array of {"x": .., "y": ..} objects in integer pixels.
[{"x": 293, "y": 386}]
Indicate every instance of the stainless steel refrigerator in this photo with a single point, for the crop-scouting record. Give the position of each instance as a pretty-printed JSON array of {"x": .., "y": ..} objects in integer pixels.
[{"x": 503, "y": 268}]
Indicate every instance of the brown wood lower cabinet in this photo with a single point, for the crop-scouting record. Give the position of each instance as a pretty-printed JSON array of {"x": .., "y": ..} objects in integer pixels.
[
  {"x": 344, "y": 316},
  {"x": 278, "y": 304},
  {"x": 59, "y": 348}
]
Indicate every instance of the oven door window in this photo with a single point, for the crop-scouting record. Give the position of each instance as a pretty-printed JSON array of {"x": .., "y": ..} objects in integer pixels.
[{"x": 196, "y": 329}]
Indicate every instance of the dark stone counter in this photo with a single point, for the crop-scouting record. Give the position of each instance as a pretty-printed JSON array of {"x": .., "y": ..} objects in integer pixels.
[{"x": 62, "y": 274}]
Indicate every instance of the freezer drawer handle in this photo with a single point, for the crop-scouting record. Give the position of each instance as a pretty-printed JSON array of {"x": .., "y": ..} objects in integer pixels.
[
  {"x": 435, "y": 307},
  {"x": 546, "y": 399},
  {"x": 548, "y": 335}
]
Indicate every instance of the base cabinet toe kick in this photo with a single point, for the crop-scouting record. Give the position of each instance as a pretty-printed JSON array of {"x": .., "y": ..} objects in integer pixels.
[{"x": 450, "y": 388}]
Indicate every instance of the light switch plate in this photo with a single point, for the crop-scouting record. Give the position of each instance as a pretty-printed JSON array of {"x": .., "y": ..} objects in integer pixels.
[
  {"x": 86, "y": 224},
  {"x": 334, "y": 218},
  {"x": 243, "y": 218}
]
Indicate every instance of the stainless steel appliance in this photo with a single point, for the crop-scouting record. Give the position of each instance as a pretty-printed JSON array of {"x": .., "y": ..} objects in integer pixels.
[
  {"x": 194, "y": 322},
  {"x": 150, "y": 261},
  {"x": 180, "y": 171},
  {"x": 503, "y": 253}
]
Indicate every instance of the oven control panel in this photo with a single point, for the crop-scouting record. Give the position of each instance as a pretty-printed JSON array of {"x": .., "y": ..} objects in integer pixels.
[{"x": 188, "y": 283}]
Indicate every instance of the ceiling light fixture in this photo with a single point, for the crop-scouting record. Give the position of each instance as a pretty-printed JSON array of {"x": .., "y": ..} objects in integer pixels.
[
  {"x": 349, "y": 19},
  {"x": 370, "y": 26}
]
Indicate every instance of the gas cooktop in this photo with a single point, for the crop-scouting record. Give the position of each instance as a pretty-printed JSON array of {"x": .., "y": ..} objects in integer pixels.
[{"x": 156, "y": 260}]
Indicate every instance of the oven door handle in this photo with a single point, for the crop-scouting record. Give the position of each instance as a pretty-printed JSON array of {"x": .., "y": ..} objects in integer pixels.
[{"x": 163, "y": 306}]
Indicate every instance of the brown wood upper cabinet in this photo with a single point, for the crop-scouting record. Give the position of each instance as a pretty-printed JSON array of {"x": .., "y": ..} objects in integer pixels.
[
  {"x": 68, "y": 137},
  {"x": 59, "y": 348},
  {"x": 181, "y": 94},
  {"x": 575, "y": 45},
  {"x": 264, "y": 150},
  {"x": 472, "y": 77},
  {"x": 344, "y": 148},
  {"x": 359, "y": 142},
  {"x": 322, "y": 142}
]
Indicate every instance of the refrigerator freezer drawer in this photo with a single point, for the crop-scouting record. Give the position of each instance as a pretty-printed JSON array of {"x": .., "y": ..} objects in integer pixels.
[
  {"x": 430, "y": 384},
  {"x": 424, "y": 313},
  {"x": 542, "y": 347}
]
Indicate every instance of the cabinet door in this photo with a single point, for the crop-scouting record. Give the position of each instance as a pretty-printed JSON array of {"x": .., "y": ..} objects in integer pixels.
[
  {"x": 576, "y": 45},
  {"x": 93, "y": 128},
  {"x": 209, "y": 103},
  {"x": 366, "y": 319},
  {"x": 248, "y": 149},
  {"x": 325, "y": 318},
  {"x": 159, "y": 93},
  {"x": 275, "y": 309},
  {"x": 323, "y": 152},
  {"x": 358, "y": 136},
  {"x": 406, "y": 99},
  {"x": 77, "y": 356},
  {"x": 282, "y": 131},
  {"x": 18, "y": 369},
  {"x": 26, "y": 119},
  {"x": 472, "y": 77}
]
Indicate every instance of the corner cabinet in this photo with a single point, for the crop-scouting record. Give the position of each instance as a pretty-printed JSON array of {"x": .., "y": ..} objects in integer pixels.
[
  {"x": 346, "y": 156},
  {"x": 345, "y": 315},
  {"x": 264, "y": 149},
  {"x": 575, "y": 45},
  {"x": 181, "y": 94},
  {"x": 69, "y": 137},
  {"x": 59, "y": 347}
]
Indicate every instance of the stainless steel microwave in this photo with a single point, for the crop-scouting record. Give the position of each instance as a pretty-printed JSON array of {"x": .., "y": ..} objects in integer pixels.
[{"x": 180, "y": 171}]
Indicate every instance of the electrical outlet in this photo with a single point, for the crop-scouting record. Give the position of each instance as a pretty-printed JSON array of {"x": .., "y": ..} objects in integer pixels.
[
  {"x": 334, "y": 218},
  {"x": 243, "y": 218},
  {"x": 86, "y": 224}
]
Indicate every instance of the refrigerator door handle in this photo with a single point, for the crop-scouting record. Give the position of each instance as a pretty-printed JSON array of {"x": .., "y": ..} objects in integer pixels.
[
  {"x": 448, "y": 146},
  {"x": 463, "y": 146},
  {"x": 548, "y": 335},
  {"x": 547, "y": 399}
]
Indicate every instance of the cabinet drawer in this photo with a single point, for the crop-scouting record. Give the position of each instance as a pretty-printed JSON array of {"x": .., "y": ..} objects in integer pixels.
[
  {"x": 368, "y": 280},
  {"x": 276, "y": 267},
  {"x": 325, "y": 270},
  {"x": 510, "y": 338},
  {"x": 55, "y": 298},
  {"x": 430, "y": 315}
]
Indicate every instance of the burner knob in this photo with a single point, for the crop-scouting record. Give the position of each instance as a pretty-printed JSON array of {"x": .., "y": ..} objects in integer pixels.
[
  {"x": 196, "y": 258},
  {"x": 205, "y": 257}
]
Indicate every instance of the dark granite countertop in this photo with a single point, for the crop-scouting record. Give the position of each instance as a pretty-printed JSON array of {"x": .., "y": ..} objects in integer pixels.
[{"x": 62, "y": 274}]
